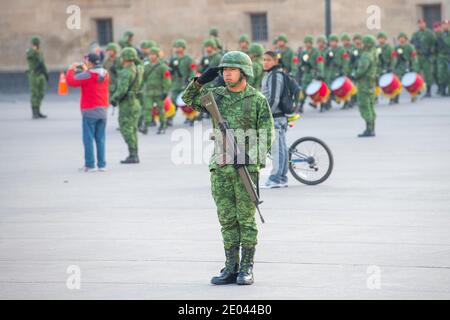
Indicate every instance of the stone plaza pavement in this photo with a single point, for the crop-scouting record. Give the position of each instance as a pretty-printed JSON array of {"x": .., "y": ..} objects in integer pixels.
[{"x": 379, "y": 228}]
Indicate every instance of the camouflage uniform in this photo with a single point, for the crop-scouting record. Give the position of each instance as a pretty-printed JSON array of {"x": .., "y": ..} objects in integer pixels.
[
  {"x": 113, "y": 66},
  {"x": 156, "y": 86},
  {"x": 256, "y": 52},
  {"x": 366, "y": 75},
  {"x": 214, "y": 34},
  {"x": 405, "y": 58},
  {"x": 244, "y": 38},
  {"x": 424, "y": 41},
  {"x": 246, "y": 110},
  {"x": 125, "y": 40},
  {"x": 37, "y": 77},
  {"x": 209, "y": 61},
  {"x": 128, "y": 86},
  {"x": 443, "y": 61},
  {"x": 285, "y": 55}
]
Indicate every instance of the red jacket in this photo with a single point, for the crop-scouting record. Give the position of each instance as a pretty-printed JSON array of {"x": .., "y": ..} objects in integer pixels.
[{"x": 94, "y": 87}]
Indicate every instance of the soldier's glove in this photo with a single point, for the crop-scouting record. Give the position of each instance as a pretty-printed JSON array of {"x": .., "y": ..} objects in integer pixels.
[
  {"x": 209, "y": 75},
  {"x": 164, "y": 96},
  {"x": 113, "y": 103},
  {"x": 320, "y": 78}
]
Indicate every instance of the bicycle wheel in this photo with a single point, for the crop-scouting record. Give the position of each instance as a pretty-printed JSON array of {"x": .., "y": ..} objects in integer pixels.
[{"x": 310, "y": 160}]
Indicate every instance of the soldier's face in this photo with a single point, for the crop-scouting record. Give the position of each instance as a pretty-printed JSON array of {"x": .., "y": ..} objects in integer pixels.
[
  {"x": 308, "y": 45},
  {"x": 231, "y": 75},
  {"x": 179, "y": 51},
  {"x": 358, "y": 43},
  {"x": 381, "y": 41},
  {"x": 321, "y": 45},
  {"x": 402, "y": 40},
  {"x": 111, "y": 53},
  {"x": 145, "y": 51},
  {"x": 269, "y": 62},
  {"x": 209, "y": 49},
  {"x": 153, "y": 57},
  {"x": 281, "y": 44},
  {"x": 243, "y": 45},
  {"x": 333, "y": 43},
  {"x": 345, "y": 42},
  {"x": 422, "y": 25}
]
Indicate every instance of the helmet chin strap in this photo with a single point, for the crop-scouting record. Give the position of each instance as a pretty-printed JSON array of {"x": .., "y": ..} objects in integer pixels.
[{"x": 235, "y": 84}]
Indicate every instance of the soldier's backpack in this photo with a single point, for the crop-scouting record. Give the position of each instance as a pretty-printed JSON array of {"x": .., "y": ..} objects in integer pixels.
[{"x": 289, "y": 94}]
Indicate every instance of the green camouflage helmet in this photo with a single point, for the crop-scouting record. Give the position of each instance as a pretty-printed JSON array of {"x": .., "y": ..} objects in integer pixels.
[
  {"x": 403, "y": 35},
  {"x": 237, "y": 59},
  {"x": 256, "y": 49},
  {"x": 214, "y": 32},
  {"x": 148, "y": 44},
  {"x": 357, "y": 36},
  {"x": 35, "y": 40},
  {"x": 382, "y": 35},
  {"x": 129, "y": 54},
  {"x": 333, "y": 37},
  {"x": 128, "y": 34},
  {"x": 244, "y": 38},
  {"x": 369, "y": 41},
  {"x": 308, "y": 39},
  {"x": 155, "y": 50},
  {"x": 282, "y": 37},
  {"x": 321, "y": 38},
  {"x": 345, "y": 36},
  {"x": 112, "y": 46},
  {"x": 210, "y": 43},
  {"x": 180, "y": 43}
]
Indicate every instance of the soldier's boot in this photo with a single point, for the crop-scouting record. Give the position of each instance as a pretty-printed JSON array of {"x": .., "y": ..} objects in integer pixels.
[
  {"x": 143, "y": 128},
  {"x": 245, "y": 276},
  {"x": 365, "y": 133},
  {"x": 439, "y": 91},
  {"x": 428, "y": 94},
  {"x": 372, "y": 129},
  {"x": 397, "y": 99},
  {"x": 35, "y": 113},
  {"x": 152, "y": 123},
  {"x": 392, "y": 101},
  {"x": 132, "y": 158},
  {"x": 169, "y": 122},
  {"x": 40, "y": 115},
  {"x": 229, "y": 273},
  {"x": 413, "y": 99},
  {"x": 345, "y": 106}
]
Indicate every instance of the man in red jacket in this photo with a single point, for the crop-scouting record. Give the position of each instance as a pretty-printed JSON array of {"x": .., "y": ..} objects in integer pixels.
[{"x": 94, "y": 82}]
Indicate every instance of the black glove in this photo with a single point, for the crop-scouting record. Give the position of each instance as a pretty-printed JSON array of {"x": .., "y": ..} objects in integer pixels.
[
  {"x": 209, "y": 75},
  {"x": 164, "y": 96},
  {"x": 113, "y": 103},
  {"x": 320, "y": 78}
]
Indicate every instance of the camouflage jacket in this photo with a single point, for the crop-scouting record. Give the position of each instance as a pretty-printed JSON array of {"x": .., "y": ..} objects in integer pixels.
[
  {"x": 386, "y": 61},
  {"x": 248, "y": 113},
  {"x": 36, "y": 64},
  {"x": 424, "y": 42},
  {"x": 182, "y": 70},
  {"x": 311, "y": 63},
  {"x": 366, "y": 71},
  {"x": 405, "y": 59},
  {"x": 157, "y": 79},
  {"x": 113, "y": 67},
  {"x": 128, "y": 83},
  {"x": 286, "y": 57},
  {"x": 258, "y": 74},
  {"x": 443, "y": 45},
  {"x": 337, "y": 62},
  {"x": 209, "y": 62}
]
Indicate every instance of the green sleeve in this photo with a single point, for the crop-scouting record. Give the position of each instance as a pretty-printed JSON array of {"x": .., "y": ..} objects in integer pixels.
[
  {"x": 192, "y": 94},
  {"x": 265, "y": 126},
  {"x": 167, "y": 79},
  {"x": 123, "y": 84}
]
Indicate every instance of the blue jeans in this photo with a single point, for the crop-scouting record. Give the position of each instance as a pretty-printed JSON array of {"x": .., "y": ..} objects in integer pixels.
[
  {"x": 94, "y": 129},
  {"x": 279, "y": 151}
]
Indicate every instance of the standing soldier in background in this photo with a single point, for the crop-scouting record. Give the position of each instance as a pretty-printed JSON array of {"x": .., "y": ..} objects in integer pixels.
[
  {"x": 443, "y": 59},
  {"x": 182, "y": 68},
  {"x": 355, "y": 54},
  {"x": 244, "y": 109},
  {"x": 256, "y": 52},
  {"x": 126, "y": 40},
  {"x": 386, "y": 60},
  {"x": 285, "y": 54},
  {"x": 405, "y": 59},
  {"x": 244, "y": 43},
  {"x": 37, "y": 77},
  {"x": 145, "y": 47},
  {"x": 424, "y": 41},
  {"x": 126, "y": 96},
  {"x": 366, "y": 75},
  {"x": 346, "y": 42},
  {"x": 214, "y": 34},
  {"x": 112, "y": 64},
  {"x": 437, "y": 33},
  {"x": 156, "y": 86},
  {"x": 336, "y": 64},
  {"x": 311, "y": 66}
]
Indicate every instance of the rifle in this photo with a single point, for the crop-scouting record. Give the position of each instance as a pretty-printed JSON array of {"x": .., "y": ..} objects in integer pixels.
[{"x": 209, "y": 103}]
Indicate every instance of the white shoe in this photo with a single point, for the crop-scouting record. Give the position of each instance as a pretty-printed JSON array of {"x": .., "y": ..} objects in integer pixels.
[
  {"x": 87, "y": 169},
  {"x": 102, "y": 169},
  {"x": 271, "y": 185},
  {"x": 284, "y": 184}
]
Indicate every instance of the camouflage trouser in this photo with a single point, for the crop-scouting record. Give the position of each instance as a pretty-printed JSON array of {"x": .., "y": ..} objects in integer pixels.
[
  {"x": 366, "y": 103},
  {"x": 426, "y": 68},
  {"x": 38, "y": 84},
  {"x": 235, "y": 209},
  {"x": 443, "y": 71},
  {"x": 129, "y": 111},
  {"x": 149, "y": 102}
]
